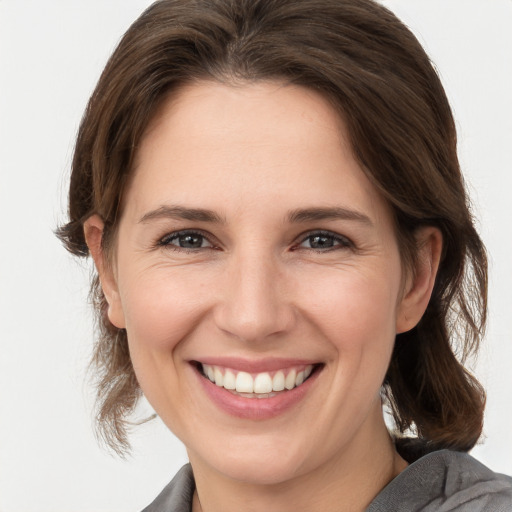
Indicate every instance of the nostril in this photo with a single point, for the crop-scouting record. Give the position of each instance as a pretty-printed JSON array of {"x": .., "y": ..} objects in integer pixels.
[{"x": 248, "y": 323}]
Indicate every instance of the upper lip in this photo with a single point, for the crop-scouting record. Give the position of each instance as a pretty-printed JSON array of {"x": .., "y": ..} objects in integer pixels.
[{"x": 254, "y": 365}]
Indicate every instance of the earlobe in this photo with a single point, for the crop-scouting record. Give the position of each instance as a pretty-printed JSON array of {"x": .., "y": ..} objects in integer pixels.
[
  {"x": 429, "y": 242},
  {"x": 93, "y": 232}
]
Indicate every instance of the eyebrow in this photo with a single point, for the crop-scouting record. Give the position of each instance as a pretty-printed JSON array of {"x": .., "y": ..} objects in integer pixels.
[
  {"x": 180, "y": 212},
  {"x": 294, "y": 217},
  {"x": 334, "y": 213}
]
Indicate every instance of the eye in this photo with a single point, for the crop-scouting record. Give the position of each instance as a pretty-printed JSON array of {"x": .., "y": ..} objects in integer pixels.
[
  {"x": 185, "y": 240},
  {"x": 324, "y": 241}
]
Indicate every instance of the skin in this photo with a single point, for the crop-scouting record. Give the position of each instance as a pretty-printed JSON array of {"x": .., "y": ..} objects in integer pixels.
[{"x": 258, "y": 288}]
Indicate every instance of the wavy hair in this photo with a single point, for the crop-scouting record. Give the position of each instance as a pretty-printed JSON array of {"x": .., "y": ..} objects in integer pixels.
[{"x": 374, "y": 72}]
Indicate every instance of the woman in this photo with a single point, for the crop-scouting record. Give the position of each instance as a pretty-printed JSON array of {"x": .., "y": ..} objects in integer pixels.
[{"x": 271, "y": 194}]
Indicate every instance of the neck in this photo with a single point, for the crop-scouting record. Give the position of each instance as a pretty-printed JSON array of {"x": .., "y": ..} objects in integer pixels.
[{"x": 352, "y": 478}]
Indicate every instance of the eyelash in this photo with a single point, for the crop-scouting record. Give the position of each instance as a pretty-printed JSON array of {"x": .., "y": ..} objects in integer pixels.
[
  {"x": 341, "y": 241},
  {"x": 167, "y": 239}
]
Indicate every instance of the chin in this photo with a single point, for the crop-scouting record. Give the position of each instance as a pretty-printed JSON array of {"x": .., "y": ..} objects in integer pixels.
[{"x": 259, "y": 460}]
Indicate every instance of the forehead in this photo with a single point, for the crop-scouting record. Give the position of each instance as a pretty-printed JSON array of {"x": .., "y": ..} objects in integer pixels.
[
  {"x": 209, "y": 114},
  {"x": 244, "y": 145}
]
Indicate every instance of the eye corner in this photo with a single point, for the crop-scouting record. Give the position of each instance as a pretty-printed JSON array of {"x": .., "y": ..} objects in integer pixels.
[
  {"x": 189, "y": 240},
  {"x": 322, "y": 241}
]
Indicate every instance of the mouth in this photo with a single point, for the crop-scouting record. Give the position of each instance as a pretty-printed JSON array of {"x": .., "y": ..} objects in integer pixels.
[
  {"x": 265, "y": 384},
  {"x": 256, "y": 390}
]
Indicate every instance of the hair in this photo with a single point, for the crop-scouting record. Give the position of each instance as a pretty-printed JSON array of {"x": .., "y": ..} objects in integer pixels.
[{"x": 374, "y": 72}]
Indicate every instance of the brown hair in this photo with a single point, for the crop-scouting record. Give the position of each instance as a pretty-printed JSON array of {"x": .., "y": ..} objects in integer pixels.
[{"x": 375, "y": 73}]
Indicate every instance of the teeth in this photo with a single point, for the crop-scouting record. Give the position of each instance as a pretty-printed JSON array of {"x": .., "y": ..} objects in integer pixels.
[
  {"x": 278, "y": 381},
  {"x": 244, "y": 383},
  {"x": 219, "y": 378},
  {"x": 229, "y": 380},
  {"x": 289, "y": 382},
  {"x": 262, "y": 385}
]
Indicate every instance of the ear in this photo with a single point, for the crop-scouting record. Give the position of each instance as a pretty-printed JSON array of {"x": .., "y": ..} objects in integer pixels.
[
  {"x": 93, "y": 231},
  {"x": 420, "y": 284}
]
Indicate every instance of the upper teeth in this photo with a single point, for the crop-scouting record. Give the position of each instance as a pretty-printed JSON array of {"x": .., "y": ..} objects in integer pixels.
[{"x": 259, "y": 383}]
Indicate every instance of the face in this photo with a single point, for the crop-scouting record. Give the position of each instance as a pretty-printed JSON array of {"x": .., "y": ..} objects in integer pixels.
[{"x": 258, "y": 276}]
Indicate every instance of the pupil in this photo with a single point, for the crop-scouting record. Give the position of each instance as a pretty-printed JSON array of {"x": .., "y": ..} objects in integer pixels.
[
  {"x": 321, "y": 241},
  {"x": 191, "y": 241}
]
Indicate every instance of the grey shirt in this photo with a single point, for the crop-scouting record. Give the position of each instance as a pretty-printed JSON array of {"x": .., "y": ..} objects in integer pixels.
[{"x": 442, "y": 481}]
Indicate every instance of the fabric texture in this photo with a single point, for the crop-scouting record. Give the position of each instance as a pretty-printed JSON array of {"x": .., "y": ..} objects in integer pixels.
[
  {"x": 442, "y": 481},
  {"x": 446, "y": 481},
  {"x": 177, "y": 495}
]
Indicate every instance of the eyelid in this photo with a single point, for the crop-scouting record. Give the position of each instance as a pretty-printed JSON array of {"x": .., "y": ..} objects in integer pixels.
[
  {"x": 164, "y": 241},
  {"x": 344, "y": 241}
]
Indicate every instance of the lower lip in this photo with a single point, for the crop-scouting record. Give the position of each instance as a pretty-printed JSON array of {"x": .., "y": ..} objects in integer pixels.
[{"x": 256, "y": 408}]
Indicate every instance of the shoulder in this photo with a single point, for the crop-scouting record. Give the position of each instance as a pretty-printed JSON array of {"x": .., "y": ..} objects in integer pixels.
[
  {"x": 442, "y": 481},
  {"x": 177, "y": 495},
  {"x": 446, "y": 481}
]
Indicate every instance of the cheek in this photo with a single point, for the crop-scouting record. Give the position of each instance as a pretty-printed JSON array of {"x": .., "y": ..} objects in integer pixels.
[
  {"x": 161, "y": 311},
  {"x": 161, "y": 307},
  {"x": 353, "y": 308}
]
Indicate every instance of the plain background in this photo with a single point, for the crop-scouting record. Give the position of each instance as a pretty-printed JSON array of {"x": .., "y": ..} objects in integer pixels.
[{"x": 51, "y": 54}]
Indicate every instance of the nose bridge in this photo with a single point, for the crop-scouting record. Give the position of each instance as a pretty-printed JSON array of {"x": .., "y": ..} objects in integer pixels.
[{"x": 254, "y": 304}]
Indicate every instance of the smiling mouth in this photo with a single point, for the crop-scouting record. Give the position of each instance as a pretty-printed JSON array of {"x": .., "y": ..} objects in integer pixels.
[{"x": 257, "y": 385}]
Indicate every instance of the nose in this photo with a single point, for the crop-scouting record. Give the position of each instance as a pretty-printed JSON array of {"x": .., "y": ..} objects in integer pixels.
[{"x": 255, "y": 305}]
